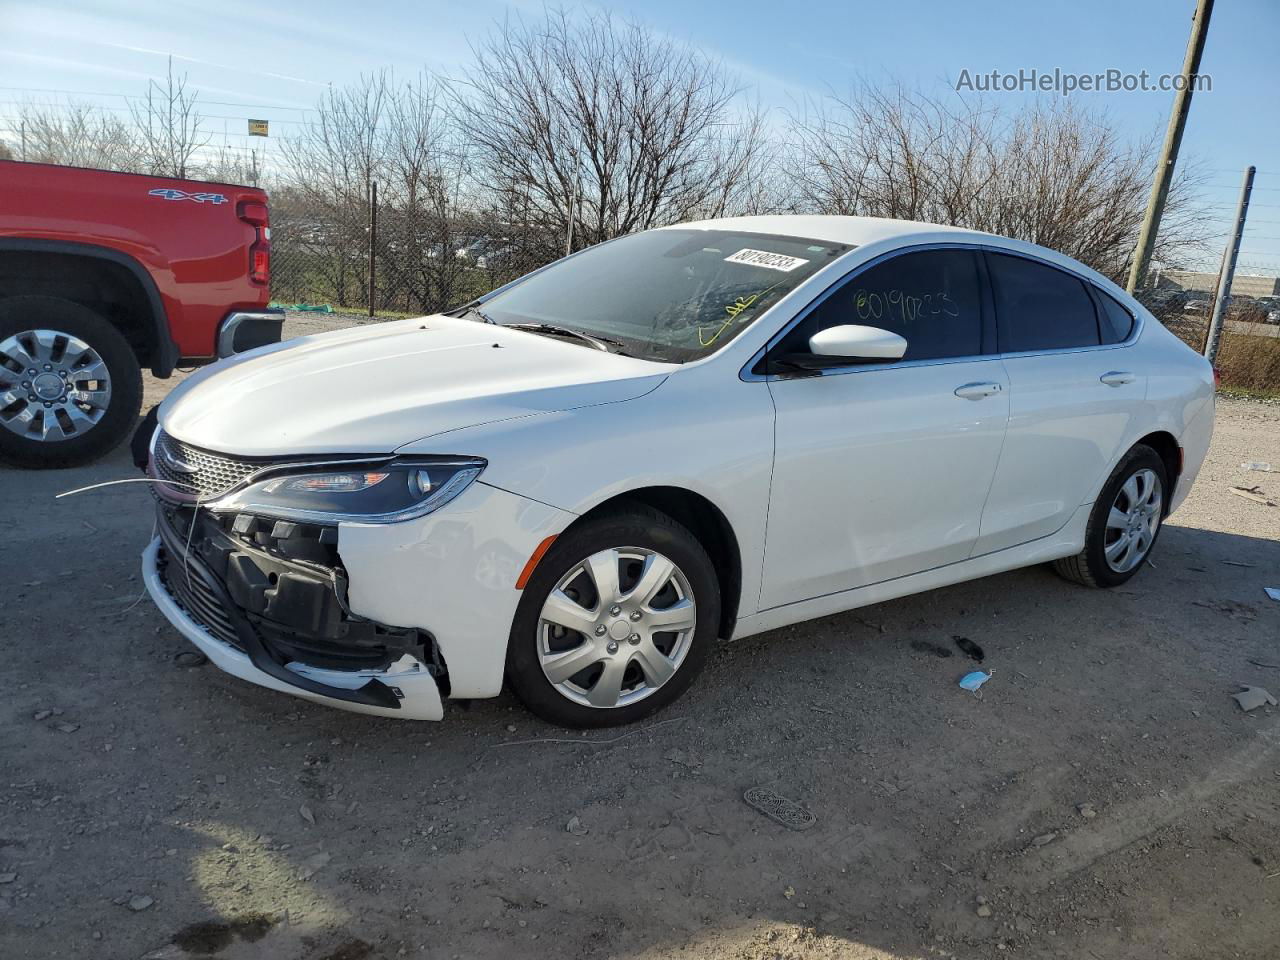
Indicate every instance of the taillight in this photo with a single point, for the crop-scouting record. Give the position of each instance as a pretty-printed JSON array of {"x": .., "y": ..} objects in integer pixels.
[
  {"x": 1217, "y": 378},
  {"x": 255, "y": 213}
]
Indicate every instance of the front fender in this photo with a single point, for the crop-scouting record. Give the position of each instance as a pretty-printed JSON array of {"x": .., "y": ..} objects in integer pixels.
[{"x": 717, "y": 443}]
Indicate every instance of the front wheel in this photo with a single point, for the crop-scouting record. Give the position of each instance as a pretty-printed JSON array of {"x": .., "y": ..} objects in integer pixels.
[
  {"x": 616, "y": 621},
  {"x": 1123, "y": 524},
  {"x": 70, "y": 386}
]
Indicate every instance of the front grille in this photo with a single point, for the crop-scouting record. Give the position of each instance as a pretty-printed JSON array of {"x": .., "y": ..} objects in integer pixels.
[
  {"x": 188, "y": 584},
  {"x": 210, "y": 474}
]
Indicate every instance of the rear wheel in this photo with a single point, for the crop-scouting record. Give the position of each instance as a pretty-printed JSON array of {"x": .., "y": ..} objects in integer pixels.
[
  {"x": 70, "y": 386},
  {"x": 1124, "y": 523},
  {"x": 615, "y": 622}
]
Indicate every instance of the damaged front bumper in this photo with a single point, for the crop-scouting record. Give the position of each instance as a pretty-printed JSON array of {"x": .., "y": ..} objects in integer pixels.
[{"x": 282, "y": 623}]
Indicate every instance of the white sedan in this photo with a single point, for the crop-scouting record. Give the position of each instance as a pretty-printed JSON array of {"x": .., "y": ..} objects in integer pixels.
[{"x": 583, "y": 479}]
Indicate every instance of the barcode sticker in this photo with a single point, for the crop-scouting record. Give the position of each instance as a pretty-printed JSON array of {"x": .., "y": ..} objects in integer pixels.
[{"x": 763, "y": 258}]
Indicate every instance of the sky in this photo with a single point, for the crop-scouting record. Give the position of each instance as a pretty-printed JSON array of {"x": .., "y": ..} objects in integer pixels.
[{"x": 273, "y": 60}]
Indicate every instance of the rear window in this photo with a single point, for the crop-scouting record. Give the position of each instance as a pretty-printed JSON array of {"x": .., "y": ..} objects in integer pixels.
[
  {"x": 1039, "y": 307},
  {"x": 1115, "y": 320}
]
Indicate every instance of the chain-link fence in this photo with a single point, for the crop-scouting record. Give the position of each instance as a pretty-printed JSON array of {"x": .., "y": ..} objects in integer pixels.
[
  {"x": 387, "y": 262},
  {"x": 1249, "y": 350}
]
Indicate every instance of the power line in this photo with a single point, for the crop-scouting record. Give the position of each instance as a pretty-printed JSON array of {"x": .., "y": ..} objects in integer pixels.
[{"x": 134, "y": 96}]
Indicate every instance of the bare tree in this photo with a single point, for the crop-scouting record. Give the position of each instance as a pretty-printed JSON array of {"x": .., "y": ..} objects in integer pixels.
[
  {"x": 78, "y": 135},
  {"x": 330, "y": 167},
  {"x": 605, "y": 123},
  {"x": 1052, "y": 174},
  {"x": 427, "y": 179},
  {"x": 228, "y": 164},
  {"x": 169, "y": 126}
]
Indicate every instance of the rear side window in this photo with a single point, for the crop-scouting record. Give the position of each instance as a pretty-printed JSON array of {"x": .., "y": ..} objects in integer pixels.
[
  {"x": 1039, "y": 307},
  {"x": 932, "y": 299},
  {"x": 1115, "y": 320}
]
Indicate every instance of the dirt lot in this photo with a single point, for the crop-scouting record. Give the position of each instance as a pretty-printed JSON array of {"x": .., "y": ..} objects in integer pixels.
[{"x": 149, "y": 809}]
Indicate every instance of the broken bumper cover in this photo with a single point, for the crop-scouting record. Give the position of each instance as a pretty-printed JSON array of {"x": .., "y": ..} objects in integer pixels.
[{"x": 403, "y": 688}]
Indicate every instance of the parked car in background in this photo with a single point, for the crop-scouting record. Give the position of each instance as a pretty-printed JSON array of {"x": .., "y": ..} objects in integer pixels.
[
  {"x": 486, "y": 252},
  {"x": 583, "y": 479},
  {"x": 103, "y": 274},
  {"x": 1270, "y": 306},
  {"x": 1166, "y": 298}
]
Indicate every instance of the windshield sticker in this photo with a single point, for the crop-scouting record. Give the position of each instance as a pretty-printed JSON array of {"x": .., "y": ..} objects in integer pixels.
[{"x": 763, "y": 258}]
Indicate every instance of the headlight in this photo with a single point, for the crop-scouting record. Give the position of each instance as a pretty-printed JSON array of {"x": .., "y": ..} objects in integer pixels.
[{"x": 399, "y": 489}]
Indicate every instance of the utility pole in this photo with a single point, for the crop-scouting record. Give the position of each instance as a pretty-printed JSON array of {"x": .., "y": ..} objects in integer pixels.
[
  {"x": 373, "y": 240},
  {"x": 573, "y": 214},
  {"x": 1228, "y": 269},
  {"x": 1172, "y": 141}
]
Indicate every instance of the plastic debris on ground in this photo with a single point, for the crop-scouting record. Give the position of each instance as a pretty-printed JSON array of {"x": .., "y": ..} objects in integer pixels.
[
  {"x": 1272, "y": 592},
  {"x": 1251, "y": 698},
  {"x": 306, "y": 307},
  {"x": 1258, "y": 465},
  {"x": 974, "y": 681},
  {"x": 779, "y": 809}
]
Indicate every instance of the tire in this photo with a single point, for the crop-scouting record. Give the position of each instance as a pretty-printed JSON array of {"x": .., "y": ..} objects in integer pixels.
[
  {"x": 642, "y": 538},
  {"x": 1091, "y": 566},
  {"x": 35, "y": 435}
]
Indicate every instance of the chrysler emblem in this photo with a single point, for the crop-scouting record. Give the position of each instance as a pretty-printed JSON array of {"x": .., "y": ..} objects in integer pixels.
[{"x": 175, "y": 463}]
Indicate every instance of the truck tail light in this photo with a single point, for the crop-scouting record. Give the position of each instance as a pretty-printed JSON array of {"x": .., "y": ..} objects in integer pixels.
[
  {"x": 256, "y": 215},
  {"x": 1217, "y": 378}
]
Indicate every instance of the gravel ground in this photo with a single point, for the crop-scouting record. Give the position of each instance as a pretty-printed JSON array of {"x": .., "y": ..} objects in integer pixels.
[{"x": 1104, "y": 798}]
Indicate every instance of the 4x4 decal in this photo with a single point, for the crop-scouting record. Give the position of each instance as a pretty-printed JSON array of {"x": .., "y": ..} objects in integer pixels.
[{"x": 168, "y": 193}]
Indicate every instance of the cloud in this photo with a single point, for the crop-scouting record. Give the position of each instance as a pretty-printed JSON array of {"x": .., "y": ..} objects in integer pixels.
[{"x": 238, "y": 68}]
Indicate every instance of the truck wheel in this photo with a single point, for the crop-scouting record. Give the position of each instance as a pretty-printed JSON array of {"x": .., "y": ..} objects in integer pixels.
[{"x": 70, "y": 386}]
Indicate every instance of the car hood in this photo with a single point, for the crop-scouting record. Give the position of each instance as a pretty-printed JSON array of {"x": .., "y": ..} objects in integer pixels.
[{"x": 374, "y": 388}]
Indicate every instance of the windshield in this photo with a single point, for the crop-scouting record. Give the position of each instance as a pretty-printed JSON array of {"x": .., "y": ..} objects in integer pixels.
[{"x": 673, "y": 295}]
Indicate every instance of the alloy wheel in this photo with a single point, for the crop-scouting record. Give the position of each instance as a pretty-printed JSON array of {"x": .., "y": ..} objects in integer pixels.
[
  {"x": 53, "y": 385},
  {"x": 1133, "y": 521},
  {"x": 616, "y": 627}
]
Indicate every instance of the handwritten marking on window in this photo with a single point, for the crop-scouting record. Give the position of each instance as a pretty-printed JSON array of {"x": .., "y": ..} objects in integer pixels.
[
  {"x": 734, "y": 310},
  {"x": 906, "y": 308}
]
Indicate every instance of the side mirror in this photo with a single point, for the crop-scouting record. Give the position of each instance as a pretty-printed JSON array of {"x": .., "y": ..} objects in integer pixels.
[{"x": 854, "y": 342}]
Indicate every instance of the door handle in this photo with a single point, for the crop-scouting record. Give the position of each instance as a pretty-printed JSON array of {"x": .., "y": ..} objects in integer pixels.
[
  {"x": 1118, "y": 378},
  {"x": 976, "y": 391}
]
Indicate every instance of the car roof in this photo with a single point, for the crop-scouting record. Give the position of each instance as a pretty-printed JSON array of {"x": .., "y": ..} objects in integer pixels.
[
  {"x": 858, "y": 231},
  {"x": 864, "y": 231}
]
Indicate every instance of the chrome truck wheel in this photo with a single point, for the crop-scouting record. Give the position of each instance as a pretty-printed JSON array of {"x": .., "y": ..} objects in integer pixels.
[
  {"x": 56, "y": 385},
  {"x": 70, "y": 384}
]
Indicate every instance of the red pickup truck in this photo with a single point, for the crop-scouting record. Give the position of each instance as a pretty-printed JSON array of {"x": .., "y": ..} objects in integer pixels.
[{"x": 102, "y": 274}]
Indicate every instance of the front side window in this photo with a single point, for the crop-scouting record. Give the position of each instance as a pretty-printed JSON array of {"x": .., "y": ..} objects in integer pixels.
[
  {"x": 1039, "y": 307},
  {"x": 673, "y": 295},
  {"x": 931, "y": 299}
]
